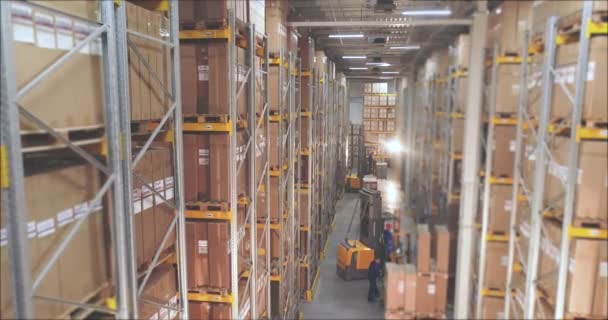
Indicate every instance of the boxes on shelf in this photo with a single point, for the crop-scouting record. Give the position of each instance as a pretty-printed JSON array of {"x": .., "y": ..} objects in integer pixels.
[
  {"x": 506, "y": 27},
  {"x": 542, "y": 10},
  {"x": 58, "y": 196},
  {"x": 458, "y": 135},
  {"x": 207, "y": 244},
  {"x": 463, "y": 51},
  {"x": 205, "y": 157},
  {"x": 492, "y": 308},
  {"x": 208, "y": 310},
  {"x": 423, "y": 242},
  {"x": 497, "y": 257},
  {"x": 507, "y": 88},
  {"x": 503, "y": 147},
  {"x": 442, "y": 249},
  {"x": 209, "y": 14},
  {"x": 161, "y": 288},
  {"x": 426, "y": 291},
  {"x": 590, "y": 204},
  {"x": 400, "y": 288},
  {"x": 72, "y": 95},
  {"x": 501, "y": 204}
]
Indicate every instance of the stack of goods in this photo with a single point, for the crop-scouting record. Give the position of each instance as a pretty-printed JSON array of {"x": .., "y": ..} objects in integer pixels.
[
  {"x": 420, "y": 291},
  {"x": 208, "y": 75},
  {"x": 282, "y": 43},
  {"x": 307, "y": 267},
  {"x": 378, "y": 114}
]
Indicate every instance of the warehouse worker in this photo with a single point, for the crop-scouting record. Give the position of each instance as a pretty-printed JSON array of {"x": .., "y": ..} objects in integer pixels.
[
  {"x": 388, "y": 242},
  {"x": 373, "y": 273},
  {"x": 370, "y": 163}
]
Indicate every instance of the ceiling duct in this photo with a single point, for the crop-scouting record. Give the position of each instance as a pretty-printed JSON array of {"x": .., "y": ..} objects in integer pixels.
[{"x": 385, "y": 6}]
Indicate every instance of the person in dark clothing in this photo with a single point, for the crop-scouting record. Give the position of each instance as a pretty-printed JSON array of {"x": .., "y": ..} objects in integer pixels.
[
  {"x": 373, "y": 272},
  {"x": 370, "y": 163},
  {"x": 388, "y": 242}
]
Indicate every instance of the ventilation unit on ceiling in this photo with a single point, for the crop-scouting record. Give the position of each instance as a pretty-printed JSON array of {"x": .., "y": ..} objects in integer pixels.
[{"x": 385, "y": 6}]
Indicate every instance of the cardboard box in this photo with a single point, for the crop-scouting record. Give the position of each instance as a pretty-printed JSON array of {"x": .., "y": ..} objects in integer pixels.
[
  {"x": 590, "y": 200},
  {"x": 304, "y": 210},
  {"x": 161, "y": 288},
  {"x": 441, "y": 295},
  {"x": 594, "y": 103},
  {"x": 503, "y": 158},
  {"x": 507, "y": 26},
  {"x": 542, "y": 10},
  {"x": 426, "y": 291},
  {"x": 56, "y": 198},
  {"x": 463, "y": 51},
  {"x": 492, "y": 308},
  {"x": 507, "y": 88},
  {"x": 458, "y": 134},
  {"x": 442, "y": 249},
  {"x": 394, "y": 286},
  {"x": 207, "y": 247},
  {"x": 501, "y": 203},
  {"x": 423, "y": 252},
  {"x": 600, "y": 301},
  {"x": 276, "y": 29},
  {"x": 497, "y": 257},
  {"x": 72, "y": 95}
]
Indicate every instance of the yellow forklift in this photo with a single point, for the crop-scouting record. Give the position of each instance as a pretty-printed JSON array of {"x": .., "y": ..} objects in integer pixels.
[{"x": 355, "y": 255}]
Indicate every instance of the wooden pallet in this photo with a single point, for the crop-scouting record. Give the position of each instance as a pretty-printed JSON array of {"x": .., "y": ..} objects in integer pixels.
[
  {"x": 39, "y": 140},
  {"x": 96, "y": 297},
  {"x": 210, "y": 290},
  {"x": 590, "y": 223},
  {"x": 572, "y": 24},
  {"x": 208, "y": 206},
  {"x": 213, "y": 24},
  {"x": 207, "y": 118}
]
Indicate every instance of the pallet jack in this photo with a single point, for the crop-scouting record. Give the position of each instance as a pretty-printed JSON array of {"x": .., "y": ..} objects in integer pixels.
[{"x": 353, "y": 256}]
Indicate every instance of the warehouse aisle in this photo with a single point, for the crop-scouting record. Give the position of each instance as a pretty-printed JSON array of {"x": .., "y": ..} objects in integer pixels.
[{"x": 335, "y": 298}]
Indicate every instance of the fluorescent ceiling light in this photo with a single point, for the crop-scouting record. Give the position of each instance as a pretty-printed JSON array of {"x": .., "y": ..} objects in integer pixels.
[
  {"x": 378, "y": 64},
  {"x": 357, "y": 68},
  {"x": 353, "y": 57},
  {"x": 346, "y": 36},
  {"x": 413, "y": 47},
  {"x": 390, "y": 72},
  {"x": 437, "y": 12}
]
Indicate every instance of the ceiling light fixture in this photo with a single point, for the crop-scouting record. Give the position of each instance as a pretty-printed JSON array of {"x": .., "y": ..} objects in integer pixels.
[
  {"x": 413, "y": 47},
  {"x": 390, "y": 72},
  {"x": 353, "y": 57},
  {"x": 378, "y": 64},
  {"x": 357, "y": 68},
  {"x": 346, "y": 36},
  {"x": 438, "y": 12}
]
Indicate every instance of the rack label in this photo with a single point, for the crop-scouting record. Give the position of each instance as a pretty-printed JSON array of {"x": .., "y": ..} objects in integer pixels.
[
  {"x": 45, "y": 227},
  {"x": 430, "y": 289},
  {"x": 203, "y": 247},
  {"x": 81, "y": 209},
  {"x": 3, "y": 237},
  {"x": 203, "y": 157},
  {"x": 45, "y": 33},
  {"x": 203, "y": 72},
  {"x": 31, "y": 229},
  {"x": 64, "y": 217}
]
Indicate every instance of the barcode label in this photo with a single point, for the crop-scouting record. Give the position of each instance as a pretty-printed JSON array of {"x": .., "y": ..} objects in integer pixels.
[
  {"x": 203, "y": 247},
  {"x": 64, "y": 217},
  {"x": 45, "y": 228}
]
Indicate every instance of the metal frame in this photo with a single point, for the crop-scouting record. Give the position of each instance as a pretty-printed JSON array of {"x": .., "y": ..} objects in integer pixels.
[{"x": 542, "y": 158}]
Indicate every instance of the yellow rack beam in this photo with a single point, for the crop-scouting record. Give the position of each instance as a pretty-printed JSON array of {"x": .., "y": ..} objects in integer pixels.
[
  {"x": 306, "y": 114},
  {"x": 497, "y": 237},
  {"x": 225, "y": 33},
  {"x": 511, "y": 60},
  {"x": 456, "y": 156},
  {"x": 276, "y": 278},
  {"x": 460, "y": 74},
  {"x": 504, "y": 121},
  {"x": 208, "y": 127},
  {"x": 457, "y": 115},
  {"x": 596, "y": 28},
  {"x": 306, "y": 74},
  {"x": 492, "y": 293},
  {"x": 305, "y": 229},
  {"x": 205, "y": 215},
  {"x": 205, "y": 297},
  {"x": 501, "y": 181},
  {"x": 275, "y": 118},
  {"x": 591, "y": 134},
  {"x": 588, "y": 233},
  {"x": 275, "y": 173}
]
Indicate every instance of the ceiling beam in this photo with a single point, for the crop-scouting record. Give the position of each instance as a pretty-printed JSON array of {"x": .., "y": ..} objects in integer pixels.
[{"x": 412, "y": 23}]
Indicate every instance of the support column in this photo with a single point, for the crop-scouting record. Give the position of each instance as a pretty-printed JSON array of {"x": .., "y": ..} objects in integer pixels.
[{"x": 470, "y": 180}]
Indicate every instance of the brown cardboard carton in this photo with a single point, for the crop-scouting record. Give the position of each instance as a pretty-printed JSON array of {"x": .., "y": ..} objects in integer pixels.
[
  {"x": 199, "y": 310},
  {"x": 80, "y": 8},
  {"x": 197, "y": 250},
  {"x": 492, "y": 308},
  {"x": 463, "y": 48},
  {"x": 423, "y": 256},
  {"x": 508, "y": 25},
  {"x": 394, "y": 286},
  {"x": 189, "y": 77},
  {"x": 161, "y": 288},
  {"x": 304, "y": 210},
  {"x": 275, "y": 198},
  {"x": 219, "y": 264},
  {"x": 56, "y": 198},
  {"x": 441, "y": 295},
  {"x": 500, "y": 208},
  {"x": 163, "y": 212},
  {"x": 504, "y": 151},
  {"x": 594, "y": 103},
  {"x": 592, "y": 175},
  {"x": 307, "y": 52},
  {"x": 411, "y": 276},
  {"x": 274, "y": 139},
  {"x": 442, "y": 249},
  {"x": 584, "y": 276},
  {"x": 275, "y": 242},
  {"x": 276, "y": 29},
  {"x": 496, "y": 265},
  {"x": 458, "y": 125},
  {"x": 426, "y": 290},
  {"x": 542, "y": 10},
  {"x": 600, "y": 301},
  {"x": 507, "y": 88}
]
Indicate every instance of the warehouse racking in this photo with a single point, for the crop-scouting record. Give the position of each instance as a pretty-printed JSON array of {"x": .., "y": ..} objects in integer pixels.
[
  {"x": 545, "y": 129},
  {"x": 257, "y": 185},
  {"x": 119, "y": 169}
]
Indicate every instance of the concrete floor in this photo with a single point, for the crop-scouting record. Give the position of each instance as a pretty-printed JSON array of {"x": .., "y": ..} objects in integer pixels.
[{"x": 335, "y": 298}]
